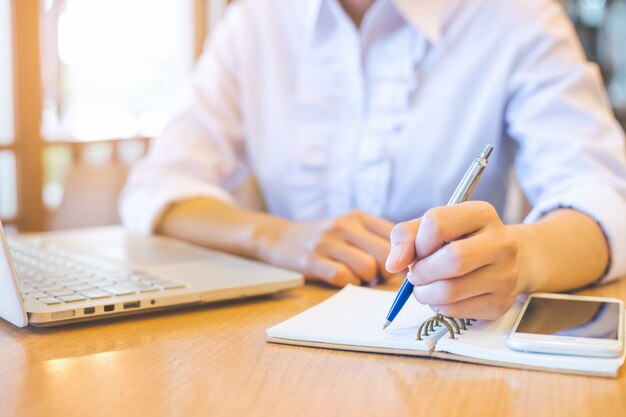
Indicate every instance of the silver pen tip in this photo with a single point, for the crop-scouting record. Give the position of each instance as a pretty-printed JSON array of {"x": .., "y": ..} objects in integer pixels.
[
  {"x": 387, "y": 323},
  {"x": 487, "y": 152}
]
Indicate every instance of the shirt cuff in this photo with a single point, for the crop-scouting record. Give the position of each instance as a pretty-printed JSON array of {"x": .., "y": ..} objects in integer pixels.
[
  {"x": 607, "y": 208},
  {"x": 142, "y": 207}
]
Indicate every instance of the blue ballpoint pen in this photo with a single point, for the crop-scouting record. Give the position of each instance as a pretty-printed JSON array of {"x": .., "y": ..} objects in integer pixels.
[{"x": 462, "y": 193}]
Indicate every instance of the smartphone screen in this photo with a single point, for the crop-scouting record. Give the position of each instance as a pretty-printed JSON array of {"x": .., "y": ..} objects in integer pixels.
[{"x": 573, "y": 318}]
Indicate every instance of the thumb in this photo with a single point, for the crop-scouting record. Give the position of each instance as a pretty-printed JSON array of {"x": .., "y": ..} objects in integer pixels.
[{"x": 402, "y": 246}]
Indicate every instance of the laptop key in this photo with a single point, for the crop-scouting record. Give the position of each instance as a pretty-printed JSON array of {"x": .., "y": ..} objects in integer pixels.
[
  {"x": 81, "y": 287},
  {"x": 101, "y": 284},
  {"x": 72, "y": 298},
  {"x": 141, "y": 287},
  {"x": 50, "y": 300},
  {"x": 88, "y": 278},
  {"x": 118, "y": 290},
  {"x": 136, "y": 277},
  {"x": 148, "y": 278},
  {"x": 117, "y": 278},
  {"x": 32, "y": 280},
  {"x": 57, "y": 279},
  {"x": 48, "y": 288},
  {"x": 38, "y": 294},
  {"x": 169, "y": 285},
  {"x": 60, "y": 293},
  {"x": 95, "y": 293},
  {"x": 65, "y": 281}
]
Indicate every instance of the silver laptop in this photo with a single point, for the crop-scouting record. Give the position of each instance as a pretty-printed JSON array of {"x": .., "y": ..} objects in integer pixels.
[{"x": 56, "y": 278}]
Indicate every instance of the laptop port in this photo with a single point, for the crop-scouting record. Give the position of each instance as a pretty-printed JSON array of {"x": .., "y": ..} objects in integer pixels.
[
  {"x": 63, "y": 314},
  {"x": 109, "y": 307},
  {"x": 132, "y": 304},
  {"x": 89, "y": 310}
]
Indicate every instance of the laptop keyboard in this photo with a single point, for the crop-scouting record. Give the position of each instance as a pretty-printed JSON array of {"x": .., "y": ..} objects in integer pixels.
[{"x": 53, "y": 275}]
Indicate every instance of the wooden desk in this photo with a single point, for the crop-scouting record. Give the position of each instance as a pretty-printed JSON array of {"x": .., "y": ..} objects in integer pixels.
[{"x": 213, "y": 361}]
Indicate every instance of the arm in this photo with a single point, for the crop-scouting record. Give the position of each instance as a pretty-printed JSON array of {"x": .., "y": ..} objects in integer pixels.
[
  {"x": 571, "y": 164},
  {"x": 178, "y": 189},
  {"x": 343, "y": 250},
  {"x": 564, "y": 250},
  {"x": 487, "y": 264}
]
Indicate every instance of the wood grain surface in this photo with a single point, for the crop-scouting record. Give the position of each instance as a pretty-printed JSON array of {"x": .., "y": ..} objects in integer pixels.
[{"x": 214, "y": 361}]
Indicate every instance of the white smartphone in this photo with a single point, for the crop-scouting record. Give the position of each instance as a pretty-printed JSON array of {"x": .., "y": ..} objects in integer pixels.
[{"x": 569, "y": 325}]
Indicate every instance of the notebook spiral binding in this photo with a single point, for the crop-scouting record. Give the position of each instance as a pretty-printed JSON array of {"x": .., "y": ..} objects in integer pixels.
[{"x": 453, "y": 325}]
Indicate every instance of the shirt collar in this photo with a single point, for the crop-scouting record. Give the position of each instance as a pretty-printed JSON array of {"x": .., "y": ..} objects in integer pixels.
[{"x": 425, "y": 15}]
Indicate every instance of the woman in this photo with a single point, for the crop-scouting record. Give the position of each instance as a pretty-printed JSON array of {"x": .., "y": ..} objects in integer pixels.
[{"x": 354, "y": 115}]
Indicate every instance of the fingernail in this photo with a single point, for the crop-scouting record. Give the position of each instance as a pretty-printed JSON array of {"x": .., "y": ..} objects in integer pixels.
[
  {"x": 410, "y": 277},
  {"x": 411, "y": 274},
  {"x": 396, "y": 253}
]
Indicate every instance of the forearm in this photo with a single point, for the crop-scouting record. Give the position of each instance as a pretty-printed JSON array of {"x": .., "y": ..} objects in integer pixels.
[
  {"x": 347, "y": 249},
  {"x": 216, "y": 225},
  {"x": 564, "y": 250}
]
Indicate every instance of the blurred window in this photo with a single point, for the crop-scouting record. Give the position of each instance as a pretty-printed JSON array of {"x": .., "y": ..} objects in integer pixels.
[
  {"x": 114, "y": 68},
  {"x": 110, "y": 70}
]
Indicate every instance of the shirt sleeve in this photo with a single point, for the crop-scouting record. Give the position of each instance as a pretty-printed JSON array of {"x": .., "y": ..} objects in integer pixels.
[
  {"x": 200, "y": 150},
  {"x": 571, "y": 149}
]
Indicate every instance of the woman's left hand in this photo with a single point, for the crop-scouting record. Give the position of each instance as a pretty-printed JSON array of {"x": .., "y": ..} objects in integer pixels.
[{"x": 462, "y": 260}]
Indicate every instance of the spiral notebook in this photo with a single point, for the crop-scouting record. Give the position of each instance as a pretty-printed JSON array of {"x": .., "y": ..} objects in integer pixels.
[{"x": 352, "y": 320}]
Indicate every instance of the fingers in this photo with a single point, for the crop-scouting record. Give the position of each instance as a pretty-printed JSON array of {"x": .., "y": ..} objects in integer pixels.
[
  {"x": 374, "y": 224},
  {"x": 358, "y": 242},
  {"x": 361, "y": 263},
  {"x": 402, "y": 239},
  {"x": 449, "y": 291},
  {"x": 457, "y": 279},
  {"x": 417, "y": 239},
  {"x": 482, "y": 307},
  {"x": 464, "y": 261},
  {"x": 354, "y": 231},
  {"x": 455, "y": 259},
  {"x": 344, "y": 250},
  {"x": 332, "y": 272},
  {"x": 376, "y": 246},
  {"x": 445, "y": 224}
]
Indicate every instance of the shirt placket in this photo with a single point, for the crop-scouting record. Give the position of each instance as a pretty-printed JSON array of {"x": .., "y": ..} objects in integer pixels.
[
  {"x": 391, "y": 80},
  {"x": 351, "y": 105}
]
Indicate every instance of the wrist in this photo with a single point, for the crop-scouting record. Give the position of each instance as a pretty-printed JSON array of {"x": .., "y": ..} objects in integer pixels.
[
  {"x": 266, "y": 234},
  {"x": 527, "y": 274},
  {"x": 566, "y": 249}
]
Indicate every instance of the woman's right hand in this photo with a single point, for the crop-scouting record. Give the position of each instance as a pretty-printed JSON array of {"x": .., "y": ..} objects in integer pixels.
[{"x": 349, "y": 249}]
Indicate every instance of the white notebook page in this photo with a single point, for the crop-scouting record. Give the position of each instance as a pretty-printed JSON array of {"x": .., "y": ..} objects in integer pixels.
[
  {"x": 487, "y": 340},
  {"x": 355, "y": 317}
]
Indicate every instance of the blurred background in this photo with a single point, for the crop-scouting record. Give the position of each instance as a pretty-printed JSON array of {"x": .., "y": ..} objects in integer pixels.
[{"x": 85, "y": 84}]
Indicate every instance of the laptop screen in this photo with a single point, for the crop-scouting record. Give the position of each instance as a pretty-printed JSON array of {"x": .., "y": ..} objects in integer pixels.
[{"x": 11, "y": 305}]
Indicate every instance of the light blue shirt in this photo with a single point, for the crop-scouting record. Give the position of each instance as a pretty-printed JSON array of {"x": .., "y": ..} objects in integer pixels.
[{"x": 387, "y": 117}]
